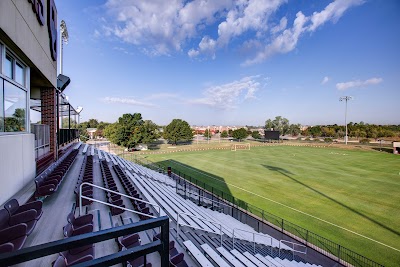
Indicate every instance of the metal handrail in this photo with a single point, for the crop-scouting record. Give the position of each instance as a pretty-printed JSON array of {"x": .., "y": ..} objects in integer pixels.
[
  {"x": 194, "y": 227},
  {"x": 112, "y": 205},
  {"x": 219, "y": 202},
  {"x": 39, "y": 251},
  {"x": 254, "y": 235},
  {"x": 292, "y": 248}
]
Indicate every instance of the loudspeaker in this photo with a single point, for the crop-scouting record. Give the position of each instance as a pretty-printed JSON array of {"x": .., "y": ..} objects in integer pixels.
[{"x": 62, "y": 82}]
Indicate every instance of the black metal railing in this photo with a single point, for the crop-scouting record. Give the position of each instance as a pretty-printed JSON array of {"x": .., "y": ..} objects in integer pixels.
[
  {"x": 323, "y": 245},
  {"x": 66, "y": 136},
  {"x": 161, "y": 245}
]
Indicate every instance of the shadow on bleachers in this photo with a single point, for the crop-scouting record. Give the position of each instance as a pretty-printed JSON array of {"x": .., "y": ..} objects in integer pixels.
[{"x": 209, "y": 180}]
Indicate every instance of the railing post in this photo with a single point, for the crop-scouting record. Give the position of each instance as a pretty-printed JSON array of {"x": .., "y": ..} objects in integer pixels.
[
  {"x": 233, "y": 239},
  {"x": 220, "y": 232},
  {"x": 177, "y": 228},
  {"x": 212, "y": 198},
  {"x": 307, "y": 237},
  {"x": 199, "y": 198},
  {"x": 254, "y": 243},
  {"x": 338, "y": 255},
  {"x": 165, "y": 240},
  {"x": 80, "y": 201}
]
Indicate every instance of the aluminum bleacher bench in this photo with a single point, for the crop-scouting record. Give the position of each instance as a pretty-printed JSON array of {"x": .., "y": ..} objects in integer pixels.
[
  {"x": 114, "y": 161},
  {"x": 100, "y": 153},
  {"x": 242, "y": 258},
  {"x": 85, "y": 149},
  {"x": 229, "y": 257},
  {"x": 268, "y": 260},
  {"x": 254, "y": 260},
  {"x": 106, "y": 156},
  {"x": 92, "y": 150},
  {"x": 214, "y": 256},
  {"x": 196, "y": 253},
  {"x": 78, "y": 145}
]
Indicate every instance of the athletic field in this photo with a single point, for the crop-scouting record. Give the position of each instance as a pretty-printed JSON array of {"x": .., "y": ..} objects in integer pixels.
[{"x": 321, "y": 189}]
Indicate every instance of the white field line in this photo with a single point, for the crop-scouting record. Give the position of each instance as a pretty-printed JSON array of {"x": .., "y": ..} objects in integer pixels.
[{"x": 286, "y": 206}]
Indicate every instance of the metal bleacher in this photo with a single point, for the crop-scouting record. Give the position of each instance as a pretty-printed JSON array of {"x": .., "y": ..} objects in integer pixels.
[
  {"x": 210, "y": 237},
  {"x": 202, "y": 230}
]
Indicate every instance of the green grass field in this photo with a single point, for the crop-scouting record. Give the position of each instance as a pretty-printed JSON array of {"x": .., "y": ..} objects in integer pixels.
[{"x": 357, "y": 190}]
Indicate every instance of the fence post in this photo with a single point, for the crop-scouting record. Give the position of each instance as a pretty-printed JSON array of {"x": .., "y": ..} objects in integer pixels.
[
  {"x": 338, "y": 255},
  {"x": 307, "y": 237},
  {"x": 212, "y": 198}
]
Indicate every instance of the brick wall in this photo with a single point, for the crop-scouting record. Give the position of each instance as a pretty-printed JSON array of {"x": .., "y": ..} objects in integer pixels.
[{"x": 49, "y": 102}]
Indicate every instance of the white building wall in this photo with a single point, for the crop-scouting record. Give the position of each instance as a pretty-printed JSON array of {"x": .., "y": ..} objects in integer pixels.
[
  {"x": 17, "y": 163},
  {"x": 20, "y": 24}
]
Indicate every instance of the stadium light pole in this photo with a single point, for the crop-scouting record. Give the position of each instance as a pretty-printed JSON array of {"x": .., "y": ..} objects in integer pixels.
[
  {"x": 345, "y": 98},
  {"x": 64, "y": 39}
]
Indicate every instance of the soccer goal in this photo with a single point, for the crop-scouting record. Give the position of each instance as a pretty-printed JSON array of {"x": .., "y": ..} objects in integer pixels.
[{"x": 245, "y": 146}]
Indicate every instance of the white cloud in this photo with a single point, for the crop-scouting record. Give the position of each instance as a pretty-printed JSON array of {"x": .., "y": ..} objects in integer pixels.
[
  {"x": 207, "y": 47},
  {"x": 229, "y": 95},
  {"x": 125, "y": 100},
  {"x": 162, "y": 96},
  {"x": 287, "y": 40},
  {"x": 332, "y": 12},
  {"x": 283, "y": 43},
  {"x": 160, "y": 27},
  {"x": 280, "y": 27},
  {"x": 325, "y": 80},
  {"x": 358, "y": 83}
]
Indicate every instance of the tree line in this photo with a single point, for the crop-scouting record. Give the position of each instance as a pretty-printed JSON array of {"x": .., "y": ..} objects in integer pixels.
[
  {"x": 131, "y": 130},
  {"x": 356, "y": 130}
]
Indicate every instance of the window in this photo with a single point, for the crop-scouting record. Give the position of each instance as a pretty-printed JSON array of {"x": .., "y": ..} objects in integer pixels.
[
  {"x": 14, "y": 108},
  {"x": 1, "y": 107},
  {"x": 8, "y": 66},
  {"x": 19, "y": 73},
  {"x": 14, "y": 69},
  {"x": 13, "y": 92}
]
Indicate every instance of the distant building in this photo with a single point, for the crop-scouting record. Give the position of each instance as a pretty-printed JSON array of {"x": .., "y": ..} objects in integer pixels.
[{"x": 91, "y": 132}]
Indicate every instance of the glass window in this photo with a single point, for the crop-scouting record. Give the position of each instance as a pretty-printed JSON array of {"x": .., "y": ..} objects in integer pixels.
[
  {"x": 1, "y": 107},
  {"x": 8, "y": 66},
  {"x": 15, "y": 108},
  {"x": 19, "y": 73}
]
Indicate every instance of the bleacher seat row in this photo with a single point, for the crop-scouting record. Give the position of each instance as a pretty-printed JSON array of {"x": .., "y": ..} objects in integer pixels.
[
  {"x": 110, "y": 184},
  {"x": 85, "y": 175},
  {"x": 49, "y": 181},
  {"x": 17, "y": 222},
  {"x": 76, "y": 226},
  {"x": 133, "y": 192}
]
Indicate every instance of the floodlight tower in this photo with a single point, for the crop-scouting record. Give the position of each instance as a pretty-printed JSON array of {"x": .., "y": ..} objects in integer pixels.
[
  {"x": 63, "y": 39},
  {"x": 345, "y": 98}
]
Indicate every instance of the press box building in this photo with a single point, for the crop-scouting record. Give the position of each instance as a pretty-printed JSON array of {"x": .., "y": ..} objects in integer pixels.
[{"x": 28, "y": 85}]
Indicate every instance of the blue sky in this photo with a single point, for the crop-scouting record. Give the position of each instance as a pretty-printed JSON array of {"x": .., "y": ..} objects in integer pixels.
[{"x": 234, "y": 62}]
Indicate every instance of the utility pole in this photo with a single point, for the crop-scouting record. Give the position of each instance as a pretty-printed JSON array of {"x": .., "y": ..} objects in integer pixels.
[{"x": 345, "y": 98}]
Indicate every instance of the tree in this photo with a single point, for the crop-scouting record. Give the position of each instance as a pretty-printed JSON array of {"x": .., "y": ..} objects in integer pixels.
[
  {"x": 315, "y": 131},
  {"x": 178, "y": 130},
  {"x": 92, "y": 123},
  {"x": 224, "y": 134},
  {"x": 131, "y": 130},
  {"x": 66, "y": 122},
  {"x": 256, "y": 135},
  {"x": 207, "y": 134},
  {"x": 278, "y": 124},
  {"x": 240, "y": 133},
  {"x": 294, "y": 129}
]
